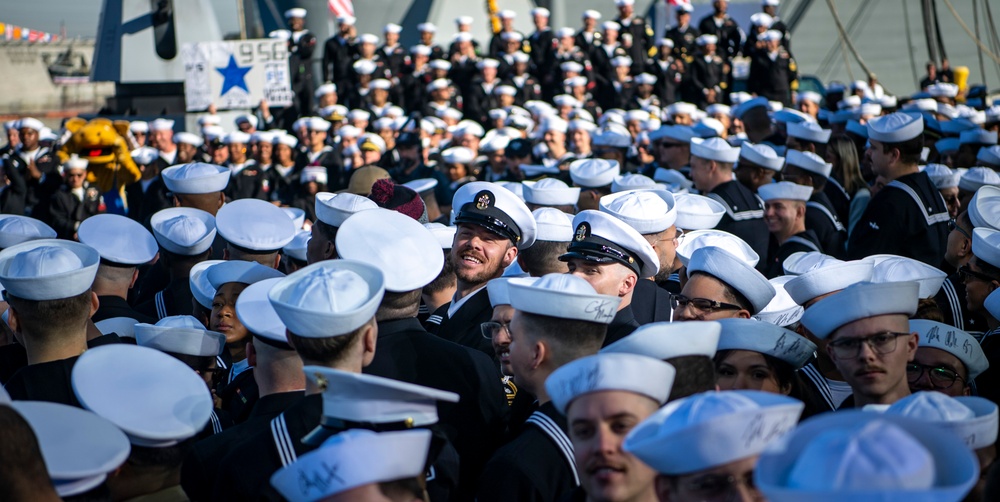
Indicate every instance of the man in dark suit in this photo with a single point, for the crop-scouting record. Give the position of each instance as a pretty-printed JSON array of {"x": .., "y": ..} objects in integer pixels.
[{"x": 75, "y": 201}]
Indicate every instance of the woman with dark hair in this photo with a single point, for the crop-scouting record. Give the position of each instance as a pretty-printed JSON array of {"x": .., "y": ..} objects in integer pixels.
[{"x": 843, "y": 154}]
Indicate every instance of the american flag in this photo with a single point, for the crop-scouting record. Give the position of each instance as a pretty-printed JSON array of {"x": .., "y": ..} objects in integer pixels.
[
  {"x": 341, "y": 7},
  {"x": 675, "y": 3}
]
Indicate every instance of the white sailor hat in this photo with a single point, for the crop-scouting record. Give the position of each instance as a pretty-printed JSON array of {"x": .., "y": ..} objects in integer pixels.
[
  {"x": 421, "y": 185},
  {"x": 287, "y": 139},
  {"x": 143, "y": 155},
  {"x": 512, "y": 36},
  {"x": 565, "y": 32},
  {"x": 196, "y": 178},
  {"x": 825, "y": 277},
  {"x": 327, "y": 88},
  {"x": 154, "y": 398},
  {"x": 444, "y": 234},
  {"x": 563, "y": 296},
  {"x": 76, "y": 162},
  {"x": 48, "y": 269},
  {"x": 359, "y": 457},
  {"x": 673, "y": 179},
  {"x": 593, "y": 173},
  {"x": 296, "y": 12},
  {"x": 874, "y": 456},
  {"x": 611, "y": 26},
  {"x": 809, "y": 131},
  {"x": 201, "y": 290},
  {"x": 642, "y": 375},
  {"x": 368, "y": 38},
  {"x": 716, "y": 149},
  {"x": 16, "y": 229},
  {"x": 495, "y": 143},
  {"x": 319, "y": 124},
  {"x": 761, "y": 19},
  {"x": 499, "y": 289},
  {"x": 989, "y": 155},
  {"x": 30, "y": 123},
  {"x": 329, "y": 298},
  {"x": 748, "y": 105},
  {"x": 985, "y": 245},
  {"x": 603, "y": 238},
  {"x": 973, "y": 419},
  {"x": 180, "y": 334},
  {"x": 407, "y": 253},
  {"x": 632, "y": 182},
  {"x": 984, "y": 208},
  {"x": 565, "y": 100},
  {"x": 860, "y": 301},
  {"x": 333, "y": 209},
  {"x": 978, "y": 137},
  {"x": 666, "y": 340},
  {"x": 808, "y": 161},
  {"x": 591, "y": 14},
  {"x": 119, "y": 240},
  {"x": 782, "y": 310},
  {"x": 771, "y": 36},
  {"x": 954, "y": 341},
  {"x": 766, "y": 338},
  {"x": 553, "y": 225},
  {"x": 380, "y": 83},
  {"x": 297, "y": 215},
  {"x": 895, "y": 127},
  {"x": 735, "y": 272},
  {"x": 183, "y": 230},
  {"x": 806, "y": 261},
  {"x": 458, "y": 155},
  {"x": 188, "y": 139},
  {"x": 139, "y": 126},
  {"x": 812, "y": 96},
  {"x": 672, "y": 440},
  {"x": 245, "y": 119},
  {"x": 942, "y": 89},
  {"x": 297, "y": 248},
  {"x": 762, "y": 155},
  {"x": 946, "y": 146},
  {"x": 255, "y": 312},
  {"x": 254, "y": 225},
  {"x": 207, "y": 120},
  {"x": 902, "y": 269},
  {"x": 977, "y": 177},
  {"x": 496, "y": 209},
  {"x": 784, "y": 190},
  {"x": 550, "y": 192},
  {"x": 644, "y": 79},
  {"x": 161, "y": 124},
  {"x": 124, "y": 327},
  {"x": 647, "y": 211},
  {"x": 244, "y": 272},
  {"x": 681, "y": 108},
  {"x": 698, "y": 212},
  {"x": 612, "y": 135},
  {"x": 942, "y": 176},
  {"x": 697, "y": 239},
  {"x": 213, "y": 132},
  {"x": 79, "y": 448},
  {"x": 707, "y": 39}
]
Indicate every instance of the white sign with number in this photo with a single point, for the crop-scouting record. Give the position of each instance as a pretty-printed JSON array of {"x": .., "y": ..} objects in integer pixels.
[{"x": 236, "y": 74}]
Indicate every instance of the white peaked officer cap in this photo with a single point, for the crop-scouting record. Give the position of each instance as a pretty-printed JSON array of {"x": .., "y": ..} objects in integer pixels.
[
  {"x": 902, "y": 269},
  {"x": 697, "y": 212},
  {"x": 695, "y": 240},
  {"x": 741, "y": 424},
  {"x": 633, "y": 181},
  {"x": 593, "y": 173},
  {"x": 407, "y": 253},
  {"x": 297, "y": 215},
  {"x": 118, "y": 239},
  {"x": 563, "y": 296},
  {"x": 329, "y": 298},
  {"x": 201, "y": 289},
  {"x": 444, "y": 234},
  {"x": 552, "y": 225},
  {"x": 256, "y": 314},
  {"x": 154, "y": 398},
  {"x": 496, "y": 209},
  {"x": 359, "y": 457},
  {"x": 499, "y": 289},
  {"x": 828, "y": 278},
  {"x": 860, "y": 301},
  {"x": 180, "y": 334},
  {"x": 239, "y": 271},
  {"x": 954, "y": 341},
  {"x": 196, "y": 178},
  {"x": 766, "y": 338},
  {"x": 185, "y": 231},
  {"x": 716, "y": 149},
  {"x": 667, "y": 340},
  {"x": 807, "y": 261},
  {"x": 942, "y": 176},
  {"x": 645, "y": 376},
  {"x": 782, "y": 310},
  {"x": 48, "y": 269},
  {"x": 809, "y": 131},
  {"x": 973, "y": 419},
  {"x": 254, "y": 225},
  {"x": 121, "y": 326},
  {"x": 863, "y": 456},
  {"x": 358, "y": 398},
  {"x": 808, "y": 161},
  {"x": 977, "y": 177},
  {"x": 16, "y": 229},
  {"x": 79, "y": 448},
  {"x": 550, "y": 192},
  {"x": 647, "y": 211},
  {"x": 297, "y": 248},
  {"x": 334, "y": 208},
  {"x": 895, "y": 127},
  {"x": 985, "y": 245},
  {"x": 735, "y": 272},
  {"x": 784, "y": 190},
  {"x": 762, "y": 155},
  {"x": 602, "y": 238}
]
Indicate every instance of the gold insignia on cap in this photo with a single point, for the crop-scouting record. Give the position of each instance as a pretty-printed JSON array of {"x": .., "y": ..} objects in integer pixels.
[
  {"x": 408, "y": 422},
  {"x": 484, "y": 200},
  {"x": 581, "y": 232},
  {"x": 321, "y": 381},
  {"x": 630, "y": 259}
]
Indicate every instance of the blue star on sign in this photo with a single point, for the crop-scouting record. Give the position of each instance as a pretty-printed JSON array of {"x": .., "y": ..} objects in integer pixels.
[{"x": 233, "y": 76}]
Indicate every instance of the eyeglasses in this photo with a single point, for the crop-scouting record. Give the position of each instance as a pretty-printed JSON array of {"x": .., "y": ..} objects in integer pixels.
[
  {"x": 723, "y": 487},
  {"x": 940, "y": 377},
  {"x": 953, "y": 225},
  {"x": 967, "y": 274},
  {"x": 702, "y": 304},
  {"x": 881, "y": 343},
  {"x": 675, "y": 238},
  {"x": 490, "y": 329}
]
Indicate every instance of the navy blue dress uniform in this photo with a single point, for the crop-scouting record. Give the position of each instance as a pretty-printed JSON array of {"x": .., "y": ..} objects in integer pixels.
[
  {"x": 802, "y": 242},
  {"x": 908, "y": 217},
  {"x": 744, "y": 216},
  {"x": 954, "y": 309},
  {"x": 69, "y": 208},
  {"x": 643, "y": 46},
  {"x": 40, "y": 189},
  {"x": 145, "y": 197},
  {"x": 773, "y": 74},
  {"x": 729, "y": 34},
  {"x": 683, "y": 38},
  {"x": 338, "y": 54},
  {"x": 707, "y": 73},
  {"x": 301, "y": 45},
  {"x": 822, "y": 219},
  {"x": 670, "y": 74}
]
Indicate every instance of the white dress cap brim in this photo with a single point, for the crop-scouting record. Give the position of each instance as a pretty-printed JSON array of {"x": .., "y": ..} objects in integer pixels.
[
  {"x": 124, "y": 327},
  {"x": 243, "y": 272},
  {"x": 297, "y": 249},
  {"x": 985, "y": 245},
  {"x": 828, "y": 279},
  {"x": 765, "y": 338},
  {"x": 118, "y": 239},
  {"x": 860, "y": 301},
  {"x": 663, "y": 340},
  {"x": 698, "y": 212},
  {"x": 646, "y": 376},
  {"x": 563, "y": 296},
  {"x": 973, "y": 419},
  {"x": 984, "y": 208},
  {"x": 256, "y": 314},
  {"x": 902, "y": 269},
  {"x": 647, "y": 211},
  {"x": 201, "y": 289},
  {"x": 334, "y": 208},
  {"x": 954, "y": 341},
  {"x": 634, "y": 252},
  {"x": 16, "y": 229},
  {"x": 180, "y": 334},
  {"x": 478, "y": 199},
  {"x": 735, "y": 272},
  {"x": 895, "y": 127},
  {"x": 782, "y": 310},
  {"x": 695, "y": 240},
  {"x": 255, "y": 225},
  {"x": 499, "y": 291},
  {"x": 48, "y": 269},
  {"x": 407, "y": 253}
]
